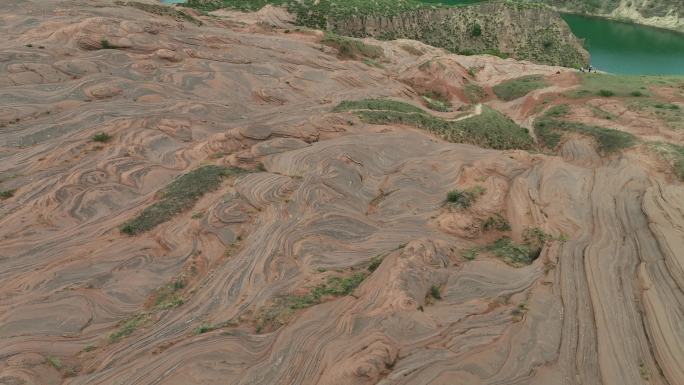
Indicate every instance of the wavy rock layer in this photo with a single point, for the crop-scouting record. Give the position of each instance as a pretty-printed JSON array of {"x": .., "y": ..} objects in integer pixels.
[{"x": 80, "y": 301}]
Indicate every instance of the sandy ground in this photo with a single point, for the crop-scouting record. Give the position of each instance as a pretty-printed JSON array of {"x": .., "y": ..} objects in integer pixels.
[{"x": 603, "y": 307}]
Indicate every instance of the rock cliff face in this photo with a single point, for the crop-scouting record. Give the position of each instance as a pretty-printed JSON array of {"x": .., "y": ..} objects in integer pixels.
[
  {"x": 528, "y": 33},
  {"x": 660, "y": 13}
]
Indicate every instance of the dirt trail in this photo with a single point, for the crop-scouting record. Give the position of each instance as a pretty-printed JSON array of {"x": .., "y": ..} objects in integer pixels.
[{"x": 334, "y": 195}]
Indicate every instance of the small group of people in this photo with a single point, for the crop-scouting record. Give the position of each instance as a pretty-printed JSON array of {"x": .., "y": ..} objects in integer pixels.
[{"x": 588, "y": 69}]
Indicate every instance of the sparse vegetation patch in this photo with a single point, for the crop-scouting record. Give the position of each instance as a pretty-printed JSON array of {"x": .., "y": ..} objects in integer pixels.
[
  {"x": 161, "y": 10},
  {"x": 496, "y": 222},
  {"x": 55, "y": 362},
  {"x": 513, "y": 253},
  {"x": 348, "y": 48},
  {"x": 671, "y": 114},
  {"x": 607, "y": 85},
  {"x": 516, "y": 88},
  {"x": 490, "y": 129},
  {"x": 464, "y": 198},
  {"x": 435, "y": 292},
  {"x": 283, "y": 308},
  {"x": 167, "y": 297},
  {"x": 672, "y": 153},
  {"x": 127, "y": 328},
  {"x": 550, "y": 129},
  {"x": 178, "y": 196},
  {"x": 6, "y": 194},
  {"x": 437, "y": 101},
  {"x": 474, "y": 92},
  {"x": 101, "y": 137}
]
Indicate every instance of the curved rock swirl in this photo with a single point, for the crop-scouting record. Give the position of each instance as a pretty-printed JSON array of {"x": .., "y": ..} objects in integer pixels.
[{"x": 334, "y": 197}]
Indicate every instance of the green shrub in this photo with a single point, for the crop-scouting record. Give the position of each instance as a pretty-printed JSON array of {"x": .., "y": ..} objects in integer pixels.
[
  {"x": 204, "y": 328},
  {"x": 606, "y": 93},
  {"x": 101, "y": 137},
  {"x": 517, "y": 88},
  {"x": 435, "y": 292},
  {"x": 105, "y": 44},
  {"x": 464, "y": 198},
  {"x": 6, "y": 194},
  {"x": 476, "y": 30},
  {"x": 512, "y": 253},
  {"x": 497, "y": 222},
  {"x": 375, "y": 263},
  {"x": 515, "y": 254},
  {"x": 178, "y": 196},
  {"x": 471, "y": 254}
]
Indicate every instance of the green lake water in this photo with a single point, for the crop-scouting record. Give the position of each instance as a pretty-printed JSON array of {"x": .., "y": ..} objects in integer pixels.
[{"x": 624, "y": 48}]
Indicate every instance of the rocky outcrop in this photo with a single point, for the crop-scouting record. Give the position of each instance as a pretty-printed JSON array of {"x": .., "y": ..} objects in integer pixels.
[{"x": 530, "y": 33}]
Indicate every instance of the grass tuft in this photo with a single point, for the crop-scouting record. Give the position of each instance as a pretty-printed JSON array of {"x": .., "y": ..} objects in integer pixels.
[
  {"x": 515, "y": 254},
  {"x": 6, "y": 194},
  {"x": 283, "y": 308},
  {"x": 55, "y": 362},
  {"x": 204, "y": 328},
  {"x": 512, "y": 253},
  {"x": 608, "y": 85},
  {"x": 178, "y": 196},
  {"x": 672, "y": 153},
  {"x": 167, "y": 297},
  {"x": 497, "y": 222},
  {"x": 377, "y": 105},
  {"x": 437, "y": 101},
  {"x": 101, "y": 137},
  {"x": 464, "y": 198},
  {"x": 550, "y": 130},
  {"x": 127, "y": 328},
  {"x": 517, "y": 88},
  {"x": 474, "y": 92},
  {"x": 490, "y": 129}
]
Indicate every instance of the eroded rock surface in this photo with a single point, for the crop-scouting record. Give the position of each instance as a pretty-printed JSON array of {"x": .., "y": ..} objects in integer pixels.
[{"x": 328, "y": 196}]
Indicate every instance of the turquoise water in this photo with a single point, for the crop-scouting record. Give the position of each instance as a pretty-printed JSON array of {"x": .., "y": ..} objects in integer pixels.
[{"x": 624, "y": 48}]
